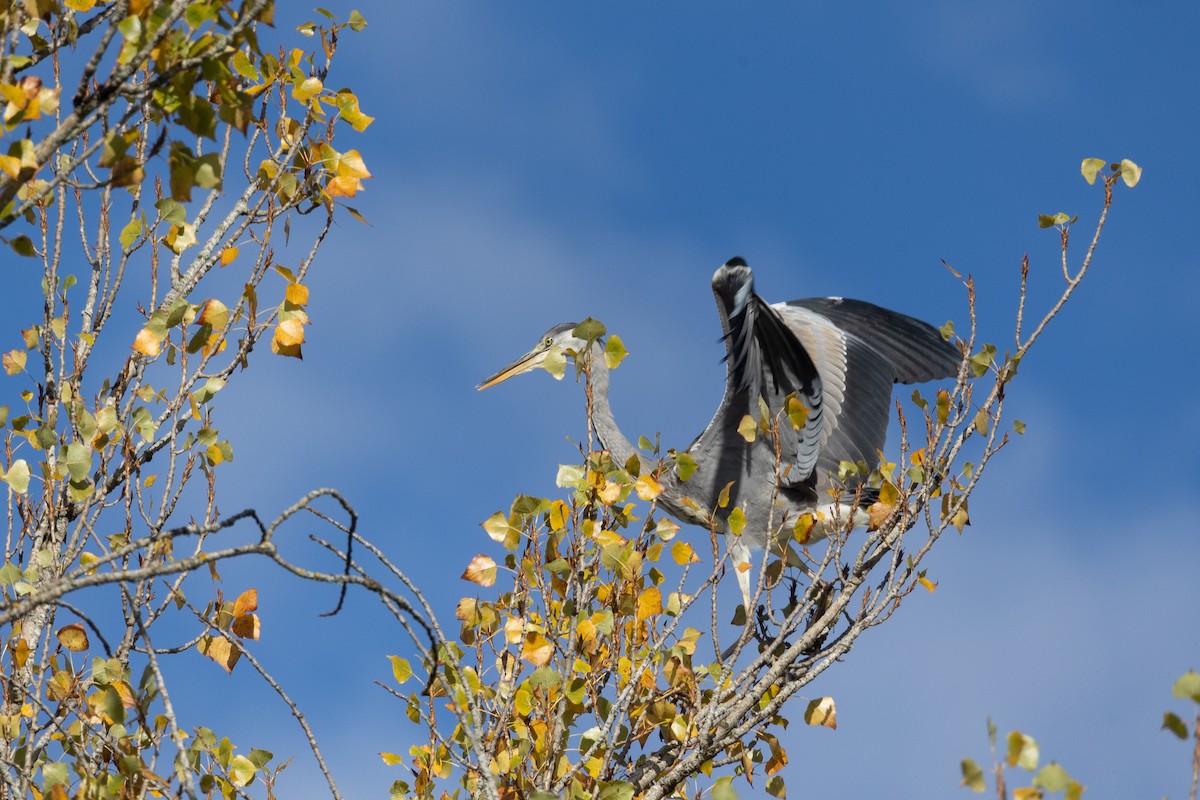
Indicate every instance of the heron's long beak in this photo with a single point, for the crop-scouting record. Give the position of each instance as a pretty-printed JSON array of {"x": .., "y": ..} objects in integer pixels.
[{"x": 525, "y": 363}]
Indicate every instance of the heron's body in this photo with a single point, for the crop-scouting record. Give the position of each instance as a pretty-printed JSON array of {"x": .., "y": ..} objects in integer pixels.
[{"x": 835, "y": 358}]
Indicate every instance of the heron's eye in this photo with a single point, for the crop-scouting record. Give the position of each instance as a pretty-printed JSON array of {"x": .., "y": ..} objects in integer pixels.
[{"x": 549, "y": 341}]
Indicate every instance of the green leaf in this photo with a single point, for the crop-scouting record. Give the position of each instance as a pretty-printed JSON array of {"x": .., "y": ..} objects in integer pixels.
[
  {"x": 23, "y": 246},
  {"x": 55, "y": 774},
  {"x": 171, "y": 211},
  {"x": 1022, "y": 751},
  {"x": 210, "y": 388},
  {"x": 356, "y": 21},
  {"x": 1131, "y": 173},
  {"x": 1052, "y": 778},
  {"x": 544, "y": 678},
  {"x": 1050, "y": 220},
  {"x": 685, "y": 466},
  {"x": 241, "y": 771},
  {"x": 1090, "y": 167},
  {"x": 736, "y": 521},
  {"x": 972, "y": 775},
  {"x": 18, "y": 476},
  {"x": 614, "y": 351},
  {"x": 112, "y": 706},
  {"x": 748, "y": 428},
  {"x": 623, "y": 790},
  {"x": 569, "y": 475},
  {"x": 723, "y": 789},
  {"x": 1175, "y": 725},
  {"x": 401, "y": 670},
  {"x": 555, "y": 363},
  {"x": 1188, "y": 686},
  {"x": 982, "y": 361},
  {"x": 1018, "y": 426},
  {"x": 776, "y": 787},
  {"x": 78, "y": 461},
  {"x": 589, "y": 330}
]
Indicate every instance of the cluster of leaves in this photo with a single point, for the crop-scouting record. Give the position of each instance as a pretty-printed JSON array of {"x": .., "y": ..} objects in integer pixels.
[
  {"x": 1187, "y": 687},
  {"x": 588, "y": 665},
  {"x": 148, "y": 145},
  {"x": 1021, "y": 752}
]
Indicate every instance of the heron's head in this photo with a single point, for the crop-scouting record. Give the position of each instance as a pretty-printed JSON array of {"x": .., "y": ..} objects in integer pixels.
[{"x": 554, "y": 344}]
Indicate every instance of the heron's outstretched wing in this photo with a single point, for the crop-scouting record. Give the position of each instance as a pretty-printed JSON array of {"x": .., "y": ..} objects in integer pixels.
[
  {"x": 915, "y": 349},
  {"x": 764, "y": 359},
  {"x": 860, "y": 351}
]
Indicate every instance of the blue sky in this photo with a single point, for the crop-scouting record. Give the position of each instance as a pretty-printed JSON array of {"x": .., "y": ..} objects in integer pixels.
[{"x": 537, "y": 163}]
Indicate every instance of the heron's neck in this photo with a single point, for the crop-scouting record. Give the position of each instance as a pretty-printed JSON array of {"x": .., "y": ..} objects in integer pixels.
[{"x": 603, "y": 421}]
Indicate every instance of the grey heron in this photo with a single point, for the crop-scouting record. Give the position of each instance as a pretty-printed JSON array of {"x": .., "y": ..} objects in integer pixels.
[{"x": 837, "y": 358}]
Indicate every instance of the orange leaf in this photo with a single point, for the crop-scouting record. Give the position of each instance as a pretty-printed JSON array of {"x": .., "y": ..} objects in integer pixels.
[
  {"x": 247, "y": 627},
  {"x": 228, "y": 255},
  {"x": 247, "y": 601},
  {"x": 343, "y": 186},
  {"x": 147, "y": 343},
  {"x": 220, "y": 651}
]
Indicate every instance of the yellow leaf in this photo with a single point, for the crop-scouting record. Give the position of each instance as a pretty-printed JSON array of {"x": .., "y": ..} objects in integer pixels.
[
  {"x": 1090, "y": 167},
  {"x": 928, "y": 584},
  {"x": 180, "y": 237},
  {"x": 14, "y": 361},
  {"x": 213, "y": 313},
  {"x": 351, "y": 163},
  {"x": 147, "y": 343},
  {"x": 73, "y": 637},
  {"x": 289, "y": 332},
  {"x": 736, "y": 521},
  {"x": 1027, "y": 793},
  {"x": 649, "y": 604},
  {"x": 228, "y": 255},
  {"x": 481, "y": 570},
  {"x": 297, "y": 294},
  {"x": 748, "y": 428},
  {"x": 683, "y": 553},
  {"x": 214, "y": 454},
  {"x": 559, "y": 513},
  {"x": 797, "y": 413},
  {"x": 305, "y": 90},
  {"x": 391, "y": 759},
  {"x": 537, "y": 649},
  {"x": 802, "y": 530},
  {"x": 821, "y": 712},
  {"x": 343, "y": 186},
  {"x": 646, "y": 487},
  {"x": 241, "y": 771}
]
